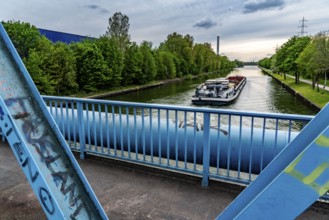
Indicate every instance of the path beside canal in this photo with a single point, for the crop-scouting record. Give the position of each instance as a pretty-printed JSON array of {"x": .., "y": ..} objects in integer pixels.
[{"x": 303, "y": 90}]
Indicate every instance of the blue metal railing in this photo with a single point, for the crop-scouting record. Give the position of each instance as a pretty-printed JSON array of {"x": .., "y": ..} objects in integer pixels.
[{"x": 210, "y": 143}]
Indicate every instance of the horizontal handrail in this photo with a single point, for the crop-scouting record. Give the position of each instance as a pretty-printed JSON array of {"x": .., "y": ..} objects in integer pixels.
[
  {"x": 212, "y": 143},
  {"x": 184, "y": 108}
]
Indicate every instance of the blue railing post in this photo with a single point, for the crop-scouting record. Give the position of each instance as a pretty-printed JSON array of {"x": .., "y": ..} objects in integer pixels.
[
  {"x": 81, "y": 130},
  {"x": 206, "y": 150}
]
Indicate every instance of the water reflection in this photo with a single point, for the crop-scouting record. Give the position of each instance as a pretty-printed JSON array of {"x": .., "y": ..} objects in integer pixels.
[{"x": 261, "y": 93}]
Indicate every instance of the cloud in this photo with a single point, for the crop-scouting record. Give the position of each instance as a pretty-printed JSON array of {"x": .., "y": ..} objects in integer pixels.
[
  {"x": 97, "y": 8},
  {"x": 252, "y": 6},
  {"x": 205, "y": 23}
]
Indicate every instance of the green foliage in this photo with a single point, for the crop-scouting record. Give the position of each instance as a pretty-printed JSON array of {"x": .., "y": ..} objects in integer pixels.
[
  {"x": 132, "y": 65},
  {"x": 92, "y": 70},
  {"x": 118, "y": 30},
  {"x": 113, "y": 57},
  {"x": 238, "y": 63},
  {"x": 305, "y": 56},
  {"x": 288, "y": 53},
  {"x": 148, "y": 68},
  {"x": 23, "y": 35},
  {"x": 180, "y": 46},
  {"x": 37, "y": 64},
  {"x": 110, "y": 61},
  {"x": 266, "y": 63}
]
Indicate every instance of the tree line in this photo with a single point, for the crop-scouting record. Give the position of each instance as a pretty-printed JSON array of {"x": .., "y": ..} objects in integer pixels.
[
  {"x": 110, "y": 61},
  {"x": 306, "y": 56}
]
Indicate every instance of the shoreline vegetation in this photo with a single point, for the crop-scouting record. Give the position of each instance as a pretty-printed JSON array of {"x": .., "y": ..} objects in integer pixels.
[
  {"x": 303, "y": 91},
  {"x": 300, "y": 65},
  {"x": 134, "y": 88},
  {"x": 111, "y": 62}
]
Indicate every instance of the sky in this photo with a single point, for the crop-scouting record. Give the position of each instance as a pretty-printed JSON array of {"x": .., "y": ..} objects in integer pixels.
[{"x": 249, "y": 30}]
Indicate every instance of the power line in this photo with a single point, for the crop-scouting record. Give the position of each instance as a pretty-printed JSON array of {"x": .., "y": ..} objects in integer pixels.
[{"x": 302, "y": 27}]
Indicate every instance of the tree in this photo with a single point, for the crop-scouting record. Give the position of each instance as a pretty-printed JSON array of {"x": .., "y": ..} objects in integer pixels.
[
  {"x": 118, "y": 30},
  {"x": 306, "y": 63},
  {"x": 23, "y": 35},
  {"x": 321, "y": 57},
  {"x": 265, "y": 62},
  {"x": 113, "y": 57},
  {"x": 288, "y": 53},
  {"x": 314, "y": 60},
  {"x": 37, "y": 64},
  {"x": 92, "y": 71},
  {"x": 148, "y": 68},
  {"x": 132, "y": 67},
  {"x": 182, "y": 47},
  {"x": 62, "y": 68}
]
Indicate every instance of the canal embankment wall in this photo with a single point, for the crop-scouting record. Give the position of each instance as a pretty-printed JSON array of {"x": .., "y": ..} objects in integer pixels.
[
  {"x": 292, "y": 91},
  {"x": 130, "y": 90}
]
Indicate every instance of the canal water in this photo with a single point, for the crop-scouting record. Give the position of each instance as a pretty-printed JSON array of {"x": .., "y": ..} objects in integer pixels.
[{"x": 261, "y": 94}]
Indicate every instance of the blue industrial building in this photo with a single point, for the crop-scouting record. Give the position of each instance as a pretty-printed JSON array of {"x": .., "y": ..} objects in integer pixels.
[{"x": 67, "y": 38}]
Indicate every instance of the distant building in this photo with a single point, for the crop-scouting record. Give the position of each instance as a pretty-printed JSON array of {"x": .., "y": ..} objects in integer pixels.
[{"x": 67, "y": 38}]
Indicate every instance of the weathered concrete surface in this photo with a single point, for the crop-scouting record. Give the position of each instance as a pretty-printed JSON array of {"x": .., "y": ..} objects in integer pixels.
[{"x": 126, "y": 192}]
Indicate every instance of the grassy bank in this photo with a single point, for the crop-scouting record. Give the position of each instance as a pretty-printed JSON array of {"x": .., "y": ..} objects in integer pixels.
[{"x": 319, "y": 99}]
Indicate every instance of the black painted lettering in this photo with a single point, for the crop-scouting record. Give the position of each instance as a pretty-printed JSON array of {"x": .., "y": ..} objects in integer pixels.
[
  {"x": 46, "y": 200},
  {"x": 19, "y": 151},
  {"x": 36, "y": 174}
]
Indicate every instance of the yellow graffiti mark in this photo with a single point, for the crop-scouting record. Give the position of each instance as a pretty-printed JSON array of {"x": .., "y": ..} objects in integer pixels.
[
  {"x": 310, "y": 179},
  {"x": 322, "y": 190},
  {"x": 322, "y": 141},
  {"x": 291, "y": 167},
  {"x": 316, "y": 173}
]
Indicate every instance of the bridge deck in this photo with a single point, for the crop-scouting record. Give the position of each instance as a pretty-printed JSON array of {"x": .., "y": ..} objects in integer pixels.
[{"x": 126, "y": 192}]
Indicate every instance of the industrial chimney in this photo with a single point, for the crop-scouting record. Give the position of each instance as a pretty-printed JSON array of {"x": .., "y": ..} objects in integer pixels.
[{"x": 218, "y": 45}]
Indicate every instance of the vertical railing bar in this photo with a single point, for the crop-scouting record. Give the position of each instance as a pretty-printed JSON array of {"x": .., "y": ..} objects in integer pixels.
[
  {"x": 62, "y": 119},
  {"x": 51, "y": 107},
  {"x": 107, "y": 129},
  {"x": 251, "y": 146},
  {"x": 68, "y": 124},
  {"x": 206, "y": 149},
  {"x": 128, "y": 131},
  {"x": 88, "y": 126},
  {"x": 276, "y": 137},
  {"x": 81, "y": 128},
  {"x": 218, "y": 145},
  {"x": 74, "y": 128},
  {"x": 94, "y": 127},
  {"x": 229, "y": 147},
  {"x": 135, "y": 131},
  {"x": 56, "y": 112},
  {"x": 167, "y": 123},
  {"x": 121, "y": 130},
  {"x": 262, "y": 148},
  {"x": 159, "y": 137},
  {"x": 185, "y": 139},
  {"x": 240, "y": 148},
  {"x": 194, "y": 141},
  {"x": 114, "y": 131},
  {"x": 100, "y": 121},
  {"x": 143, "y": 133},
  {"x": 176, "y": 138},
  {"x": 151, "y": 135},
  {"x": 289, "y": 132}
]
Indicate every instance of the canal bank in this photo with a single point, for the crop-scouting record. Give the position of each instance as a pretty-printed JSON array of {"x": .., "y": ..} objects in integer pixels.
[
  {"x": 308, "y": 96},
  {"x": 134, "y": 89},
  {"x": 124, "y": 91},
  {"x": 261, "y": 93}
]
